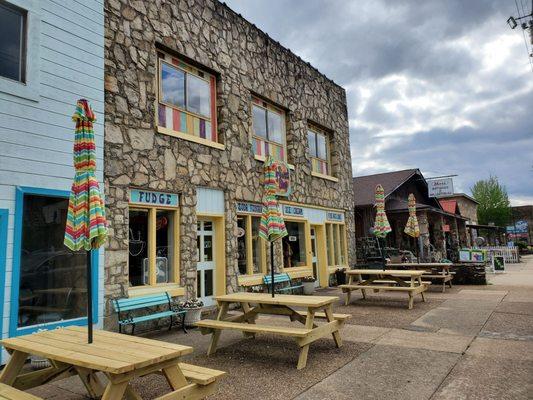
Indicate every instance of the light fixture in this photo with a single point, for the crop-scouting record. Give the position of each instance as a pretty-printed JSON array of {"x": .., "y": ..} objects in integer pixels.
[{"x": 512, "y": 22}]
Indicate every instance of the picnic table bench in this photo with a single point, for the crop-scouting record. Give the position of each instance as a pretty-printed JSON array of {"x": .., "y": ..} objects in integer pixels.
[
  {"x": 435, "y": 271},
  {"x": 254, "y": 304},
  {"x": 379, "y": 279},
  {"x": 120, "y": 357}
]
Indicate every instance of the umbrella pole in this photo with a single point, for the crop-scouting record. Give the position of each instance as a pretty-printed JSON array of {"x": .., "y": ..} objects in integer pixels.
[
  {"x": 89, "y": 300},
  {"x": 272, "y": 267}
]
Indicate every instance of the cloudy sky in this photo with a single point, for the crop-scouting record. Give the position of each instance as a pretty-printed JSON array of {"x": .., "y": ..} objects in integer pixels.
[{"x": 444, "y": 86}]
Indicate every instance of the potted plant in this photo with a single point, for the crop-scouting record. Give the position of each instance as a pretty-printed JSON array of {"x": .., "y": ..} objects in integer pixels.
[
  {"x": 193, "y": 307},
  {"x": 309, "y": 284}
]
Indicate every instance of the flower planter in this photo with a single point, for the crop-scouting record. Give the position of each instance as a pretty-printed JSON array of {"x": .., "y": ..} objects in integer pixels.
[
  {"x": 309, "y": 287},
  {"x": 192, "y": 316}
]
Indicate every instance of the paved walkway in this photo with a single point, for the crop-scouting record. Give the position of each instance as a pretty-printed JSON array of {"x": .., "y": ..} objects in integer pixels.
[
  {"x": 477, "y": 344},
  {"x": 472, "y": 342}
]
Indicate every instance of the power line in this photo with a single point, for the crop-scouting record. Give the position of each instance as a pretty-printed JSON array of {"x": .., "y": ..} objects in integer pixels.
[{"x": 523, "y": 33}]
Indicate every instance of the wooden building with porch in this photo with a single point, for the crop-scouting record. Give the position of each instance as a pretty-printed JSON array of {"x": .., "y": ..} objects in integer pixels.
[{"x": 441, "y": 230}]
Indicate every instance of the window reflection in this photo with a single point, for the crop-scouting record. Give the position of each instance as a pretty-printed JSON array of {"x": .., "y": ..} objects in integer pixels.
[
  {"x": 12, "y": 41},
  {"x": 53, "y": 279},
  {"x": 173, "y": 85},
  {"x": 259, "y": 121},
  {"x": 198, "y": 95}
]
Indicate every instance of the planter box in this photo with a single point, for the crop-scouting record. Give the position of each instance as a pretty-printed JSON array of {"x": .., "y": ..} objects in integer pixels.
[
  {"x": 309, "y": 287},
  {"x": 192, "y": 316}
]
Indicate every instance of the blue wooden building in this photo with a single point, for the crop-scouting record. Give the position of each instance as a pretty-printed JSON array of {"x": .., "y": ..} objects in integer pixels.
[{"x": 51, "y": 54}]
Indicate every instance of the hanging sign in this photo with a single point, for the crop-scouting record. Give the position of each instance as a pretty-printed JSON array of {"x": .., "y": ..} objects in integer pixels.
[
  {"x": 440, "y": 187},
  {"x": 147, "y": 197},
  {"x": 293, "y": 211},
  {"x": 248, "y": 208},
  {"x": 334, "y": 216},
  {"x": 277, "y": 176}
]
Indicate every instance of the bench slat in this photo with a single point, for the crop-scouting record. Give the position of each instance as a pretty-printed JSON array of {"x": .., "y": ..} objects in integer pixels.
[
  {"x": 322, "y": 315},
  {"x": 280, "y": 330},
  {"x": 200, "y": 375},
  {"x": 381, "y": 287},
  {"x": 150, "y": 317},
  {"x": 10, "y": 393}
]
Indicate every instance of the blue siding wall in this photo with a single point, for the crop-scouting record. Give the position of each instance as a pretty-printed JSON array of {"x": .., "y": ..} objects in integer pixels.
[{"x": 36, "y": 131}]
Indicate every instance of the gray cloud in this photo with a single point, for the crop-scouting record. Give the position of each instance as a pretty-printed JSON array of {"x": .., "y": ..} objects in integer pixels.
[{"x": 444, "y": 86}]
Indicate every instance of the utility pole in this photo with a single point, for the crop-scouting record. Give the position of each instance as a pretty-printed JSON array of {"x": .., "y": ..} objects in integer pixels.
[{"x": 526, "y": 25}]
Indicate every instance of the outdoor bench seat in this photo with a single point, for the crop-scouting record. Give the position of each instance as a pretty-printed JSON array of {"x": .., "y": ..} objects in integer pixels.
[
  {"x": 125, "y": 307},
  {"x": 322, "y": 315},
  {"x": 200, "y": 375},
  {"x": 10, "y": 393},
  {"x": 415, "y": 289},
  {"x": 280, "y": 279},
  {"x": 208, "y": 324}
]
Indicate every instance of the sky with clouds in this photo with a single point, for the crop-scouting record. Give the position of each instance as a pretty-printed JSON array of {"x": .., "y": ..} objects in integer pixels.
[{"x": 444, "y": 86}]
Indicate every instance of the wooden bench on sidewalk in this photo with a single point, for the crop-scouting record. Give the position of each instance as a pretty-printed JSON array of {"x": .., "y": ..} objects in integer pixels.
[
  {"x": 389, "y": 280},
  {"x": 436, "y": 271},
  {"x": 10, "y": 393}
]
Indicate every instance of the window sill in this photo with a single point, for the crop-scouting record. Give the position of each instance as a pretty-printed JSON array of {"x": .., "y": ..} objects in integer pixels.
[
  {"x": 263, "y": 159},
  {"x": 327, "y": 177},
  {"x": 190, "y": 138},
  {"x": 173, "y": 290}
]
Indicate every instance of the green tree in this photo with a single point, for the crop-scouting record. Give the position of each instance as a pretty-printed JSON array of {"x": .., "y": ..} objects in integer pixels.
[{"x": 494, "y": 206}]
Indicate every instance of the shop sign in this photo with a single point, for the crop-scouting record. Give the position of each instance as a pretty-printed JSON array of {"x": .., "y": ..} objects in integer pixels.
[
  {"x": 147, "y": 197},
  {"x": 440, "y": 187},
  {"x": 334, "y": 216},
  {"x": 293, "y": 211},
  {"x": 518, "y": 227},
  {"x": 249, "y": 208}
]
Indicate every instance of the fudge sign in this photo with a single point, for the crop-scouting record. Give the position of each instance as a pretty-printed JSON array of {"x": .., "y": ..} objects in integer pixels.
[{"x": 148, "y": 197}]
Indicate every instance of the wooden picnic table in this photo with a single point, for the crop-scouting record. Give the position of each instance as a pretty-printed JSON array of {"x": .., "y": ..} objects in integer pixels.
[
  {"x": 437, "y": 271},
  {"x": 120, "y": 357},
  {"x": 379, "y": 279},
  {"x": 254, "y": 304}
]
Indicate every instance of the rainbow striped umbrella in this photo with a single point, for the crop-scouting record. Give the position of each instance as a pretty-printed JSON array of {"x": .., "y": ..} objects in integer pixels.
[
  {"x": 86, "y": 227},
  {"x": 412, "y": 228},
  {"x": 381, "y": 224},
  {"x": 272, "y": 226}
]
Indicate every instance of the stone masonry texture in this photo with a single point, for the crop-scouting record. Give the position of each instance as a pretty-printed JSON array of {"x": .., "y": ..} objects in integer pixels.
[{"x": 246, "y": 61}]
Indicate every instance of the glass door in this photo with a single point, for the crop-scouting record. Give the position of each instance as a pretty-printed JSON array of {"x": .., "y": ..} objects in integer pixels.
[
  {"x": 315, "y": 257},
  {"x": 205, "y": 267}
]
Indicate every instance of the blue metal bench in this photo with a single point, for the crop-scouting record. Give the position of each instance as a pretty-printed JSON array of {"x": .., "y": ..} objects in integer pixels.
[
  {"x": 279, "y": 281},
  {"x": 125, "y": 307}
]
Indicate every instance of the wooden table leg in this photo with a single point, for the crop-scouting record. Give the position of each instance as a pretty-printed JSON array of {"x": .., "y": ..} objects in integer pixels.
[
  {"x": 329, "y": 317},
  {"x": 422, "y": 292},
  {"x": 115, "y": 391},
  {"x": 131, "y": 394},
  {"x": 246, "y": 309},
  {"x": 411, "y": 299},
  {"x": 309, "y": 322},
  {"x": 216, "y": 333},
  {"x": 13, "y": 367},
  {"x": 91, "y": 381},
  {"x": 175, "y": 377},
  {"x": 363, "y": 291}
]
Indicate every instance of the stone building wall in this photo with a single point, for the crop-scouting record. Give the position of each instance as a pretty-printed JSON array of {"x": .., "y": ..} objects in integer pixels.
[{"x": 246, "y": 61}]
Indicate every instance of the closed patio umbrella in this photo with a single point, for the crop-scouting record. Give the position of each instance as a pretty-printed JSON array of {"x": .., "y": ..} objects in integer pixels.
[
  {"x": 381, "y": 224},
  {"x": 272, "y": 225},
  {"x": 86, "y": 227},
  {"x": 412, "y": 228}
]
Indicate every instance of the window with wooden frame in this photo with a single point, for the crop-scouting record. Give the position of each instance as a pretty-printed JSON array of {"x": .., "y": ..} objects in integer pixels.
[
  {"x": 186, "y": 101},
  {"x": 153, "y": 246},
  {"x": 319, "y": 150},
  {"x": 336, "y": 245},
  {"x": 268, "y": 130},
  {"x": 251, "y": 258}
]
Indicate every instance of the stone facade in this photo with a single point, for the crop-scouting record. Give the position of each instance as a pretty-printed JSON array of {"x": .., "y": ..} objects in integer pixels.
[{"x": 246, "y": 61}]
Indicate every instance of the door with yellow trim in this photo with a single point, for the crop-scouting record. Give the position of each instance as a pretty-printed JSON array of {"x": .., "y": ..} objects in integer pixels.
[{"x": 205, "y": 267}]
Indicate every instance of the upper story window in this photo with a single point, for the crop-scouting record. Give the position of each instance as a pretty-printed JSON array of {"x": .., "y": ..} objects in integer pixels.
[
  {"x": 12, "y": 42},
  {"x": 186, "y": 106},
  {"x": 268, "y": 130},
  {"x": 319, "y": 150}
]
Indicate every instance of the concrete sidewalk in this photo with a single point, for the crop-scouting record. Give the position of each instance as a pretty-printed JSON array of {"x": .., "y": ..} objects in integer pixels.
[{"x": 472, "y": 342}]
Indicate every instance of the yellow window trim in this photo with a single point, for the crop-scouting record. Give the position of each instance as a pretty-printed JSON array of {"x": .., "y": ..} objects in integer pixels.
[
  {"x": 152, "y": 250},
  {"x": 190, "y": 138},
  {"x": 323, "y": 176},
  {"x": 173, "y": 290}
]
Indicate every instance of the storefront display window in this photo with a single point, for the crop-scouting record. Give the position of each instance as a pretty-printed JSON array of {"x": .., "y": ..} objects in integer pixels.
[
  {"x": 294, "y": 245},
  {"x": 53, "y": 279},
  {"x": 336, "y": 244},
  {"x": 251, "y": 248},
  {"x": 153, "y": 246}
]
